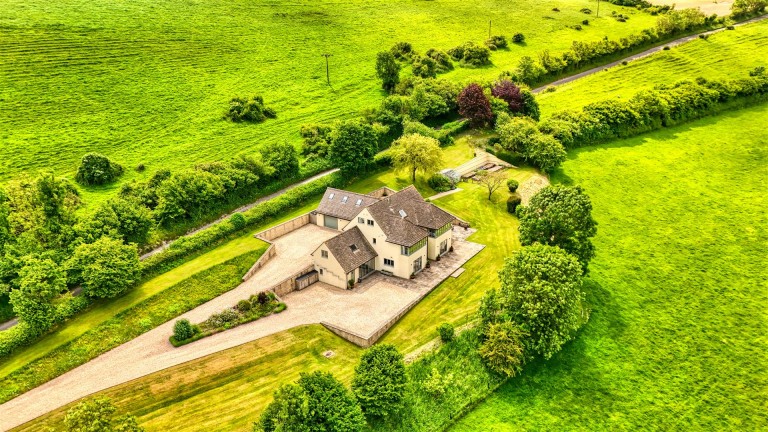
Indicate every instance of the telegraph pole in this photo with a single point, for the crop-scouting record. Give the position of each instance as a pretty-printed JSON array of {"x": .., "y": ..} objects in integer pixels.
[
  {"x": 598, "y": 9},
  {"x": 489, "y": 28},
  {"x": 327, "y": 71}
]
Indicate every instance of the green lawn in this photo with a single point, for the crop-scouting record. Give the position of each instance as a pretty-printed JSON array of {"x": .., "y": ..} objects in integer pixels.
[
  {"x": 148, "y": 81},
  {"x": 677, "y": 339},
  {"x": 726, "y": 55}
]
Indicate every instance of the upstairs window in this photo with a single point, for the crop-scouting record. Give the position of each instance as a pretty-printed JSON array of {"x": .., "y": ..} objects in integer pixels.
[
  {"x": 370, "y": 222},
  {"x": 361, "y": 220},
  {"x": 324, "y": 254}
]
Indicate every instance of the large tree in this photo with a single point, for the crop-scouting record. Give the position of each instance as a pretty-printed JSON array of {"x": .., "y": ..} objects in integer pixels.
[
  {"x": 388, "y": 70},
  {"x": 380, "y": 380},
  {"x": 97, "y": 415},
  {"x": 40, "y": 281},
  {"x": 416, "y": 152},
  {"x": 282, "y": 158},
  {"x": 560, "y": 216},
  {"x": 521, "y": 135},
  {"x": 507, "y": 91},
  {"x": 106, "y": 267},
  {"x": 353, "y": 146},
  {"x": 541, "y": 292},
  {"x": 118, "y": 218},
  {"x": 317, "y": 402},
  {"x": 474, "y": 105}
]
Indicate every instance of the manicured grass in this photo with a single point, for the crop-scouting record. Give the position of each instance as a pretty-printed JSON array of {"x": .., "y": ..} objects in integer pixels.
[
  {"x": 104, "y": 310},
  {"x": 725, "y": 55},
  {"x": 148, "y": 81},
  {"x": 130, "y": 323},
  {"x": 677, "y": 336}
]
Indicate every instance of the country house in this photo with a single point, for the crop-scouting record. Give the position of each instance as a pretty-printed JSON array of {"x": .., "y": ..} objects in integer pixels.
[{"x": 392, "y": 232}]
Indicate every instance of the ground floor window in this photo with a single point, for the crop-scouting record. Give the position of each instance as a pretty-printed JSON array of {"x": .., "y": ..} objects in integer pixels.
[
  {"x": 417, "y": 265},
  {"x": 388, "y": 262},
  {"x": 443, "y": 246}
]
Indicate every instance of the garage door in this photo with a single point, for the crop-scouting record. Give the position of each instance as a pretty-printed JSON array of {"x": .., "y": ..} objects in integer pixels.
[{"x": 331, "y": 222}]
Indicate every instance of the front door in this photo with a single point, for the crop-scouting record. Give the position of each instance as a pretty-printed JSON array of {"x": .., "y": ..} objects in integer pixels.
[{"x": 417, "y": 265}]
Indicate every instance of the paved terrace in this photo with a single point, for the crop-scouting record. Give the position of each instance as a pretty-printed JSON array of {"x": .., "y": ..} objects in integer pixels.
[{"x": 362, "y": 310}]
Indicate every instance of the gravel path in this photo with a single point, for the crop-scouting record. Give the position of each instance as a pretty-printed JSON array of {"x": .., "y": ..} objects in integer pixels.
[
  {"x": 645, "y": 53},
  {"x": 529, "y": 187}
]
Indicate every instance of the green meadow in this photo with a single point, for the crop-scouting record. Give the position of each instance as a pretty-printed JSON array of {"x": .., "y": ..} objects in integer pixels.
[
  {"x": 728, "y": 54},
  {"x": 147, "y": 82},
  {"x": 678, "y": 292}
]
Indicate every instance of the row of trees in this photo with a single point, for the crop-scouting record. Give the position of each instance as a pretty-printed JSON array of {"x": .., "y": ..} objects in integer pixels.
[{"x": 540, "y": 304}]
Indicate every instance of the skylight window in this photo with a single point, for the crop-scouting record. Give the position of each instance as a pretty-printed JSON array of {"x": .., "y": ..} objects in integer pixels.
[
  {"x": 344, "y": 200},
  {"x": 403, "y": 213},
  {"x": 330, "y": 197},
  {"x": 359, "y": 201}
]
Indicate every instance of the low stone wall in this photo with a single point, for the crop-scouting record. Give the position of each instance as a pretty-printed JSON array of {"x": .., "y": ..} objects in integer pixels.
[
  {"x": 289, "y": 284},
  {"x": 266, "y": 256},
  {"x": 284, "y": 228},
  {"x": 355, "y": 338}
]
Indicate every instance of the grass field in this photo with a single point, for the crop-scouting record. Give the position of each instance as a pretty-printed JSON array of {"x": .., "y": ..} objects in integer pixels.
[
  {"x": 677, "y": 337},
  {"x": 148, "y": 81},
  {"x": 725, "y": 55}
]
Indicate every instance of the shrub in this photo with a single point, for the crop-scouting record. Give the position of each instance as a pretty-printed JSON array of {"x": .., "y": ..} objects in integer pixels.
[
  {"x": 586, "y": 11},
  {"x": 507, "y": 91},
  {"x": 97, "y": 169},
  {"x": 513, "y": 202},
  {"x": 555, "y": 9},
  {"x": 402, "y": 50},
  {"x": 577, "y": 27},
  {"x": 503, "y": 348},
  {"x": 424, "y": 67},
  {"x": 497, "y": 42},
  {"x": 446, "y": 332},
  {"x": 440, "y": 183},
  {"x": 183, "y": 330},
  {"x": 223, "y": 319},
  {"x": 262, "y": 298},
  {"x": 249, "y": 110},
  {"x": 471, "y": 54},
  {"x": 437, "y": 384},
  {"x": 758, "y": 71},
  {"x": 518, "y": 38},
  {"x": 243, "y": 305},
  {"x": 730, "y": 27},
  {"x": 512, "y": 185},
  {"x": 140, "y": 167},
  {"x": 442, "y": 60},
  {"x": 585, "y": 22},
  {"x": 237, "y": 220}
]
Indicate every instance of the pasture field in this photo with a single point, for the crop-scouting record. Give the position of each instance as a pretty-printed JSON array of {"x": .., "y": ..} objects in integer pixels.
[
  {"x": 148, "y": 81},
  {"x": 728, "y": 54},
  {"x": 677, "y": 336}
]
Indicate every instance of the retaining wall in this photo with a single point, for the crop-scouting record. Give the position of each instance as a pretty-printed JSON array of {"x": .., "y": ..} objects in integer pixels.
[
  {"x": 289, "y": 284},
  {"x": 266, "y": 256},
  {"x": 284, "y": 228}
]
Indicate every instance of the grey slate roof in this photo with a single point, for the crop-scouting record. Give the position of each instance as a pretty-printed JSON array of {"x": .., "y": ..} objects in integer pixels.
[
  {"x": 350, "y": 257},
  {"x": 405, "y": 217},
  {"x": 333, "y": 203}
]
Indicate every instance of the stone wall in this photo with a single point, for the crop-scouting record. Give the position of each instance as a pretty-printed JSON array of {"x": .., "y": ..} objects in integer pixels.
[
  {"x": 284, "y": 228},
  {"x": 288, "y": 285}
]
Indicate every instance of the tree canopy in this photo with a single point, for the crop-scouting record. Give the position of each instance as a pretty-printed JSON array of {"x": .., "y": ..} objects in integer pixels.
[
  {"x": 96, "y": 415},
  {"x": 541, "y": 292},
  {"x": 353, "y": 146},
  {"x": 40, "y": 281},
  {"x": 388, "y": 70},
  {"x": 106, "y": 267},
  {"x": 317, "y": 402},
  {"x": 560, "y": 216},
  {"x": 414, "y": 152},
  {"x": 474, "y": 105},
  {"x": 380, "y": 380}
]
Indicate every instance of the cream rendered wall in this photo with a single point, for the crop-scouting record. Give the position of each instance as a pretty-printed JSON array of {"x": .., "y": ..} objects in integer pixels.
[
  {"x": 433, "y": 244},
  {"x": 403, "y": 264},
  {"x": 333, "y": 274}
]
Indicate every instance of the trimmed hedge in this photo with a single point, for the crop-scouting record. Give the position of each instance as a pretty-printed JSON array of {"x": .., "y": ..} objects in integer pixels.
[
  {"x": 648, "y": 110},
  {"x": 182, "y": 247}
]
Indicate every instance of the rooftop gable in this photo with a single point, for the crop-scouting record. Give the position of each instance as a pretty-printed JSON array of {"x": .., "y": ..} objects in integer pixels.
[
  {"x": 343, "y": 204},
  {"x": 351, "y": 249}
]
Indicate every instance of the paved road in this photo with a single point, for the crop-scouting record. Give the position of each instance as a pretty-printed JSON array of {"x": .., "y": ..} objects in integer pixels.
[{"x": 645, "y": 53}]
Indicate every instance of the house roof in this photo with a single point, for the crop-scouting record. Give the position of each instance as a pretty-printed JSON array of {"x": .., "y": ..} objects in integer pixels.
[
  {"x": 405, "y": 217},
  {"x": 351, "y": 249},
  {"x": 343, "y": 204}
]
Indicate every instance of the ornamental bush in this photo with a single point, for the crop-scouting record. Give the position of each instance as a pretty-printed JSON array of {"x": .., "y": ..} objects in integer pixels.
[
  {"x": 447, "y": 332},
  {"x": 440, "y": 183},
  {"x": 97, "y": 169},
  {"x": 513, "y": 202},
  {"x": 512, "y": 185},
  {"x": 183, "y": 330}
]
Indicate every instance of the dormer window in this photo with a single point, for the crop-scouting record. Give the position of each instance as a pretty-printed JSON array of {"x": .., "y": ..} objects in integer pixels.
[{"x": 353, "y": 248}]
